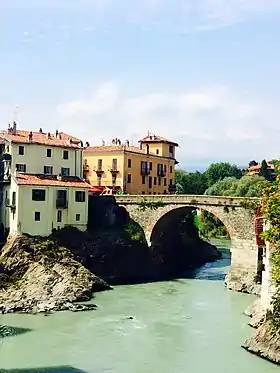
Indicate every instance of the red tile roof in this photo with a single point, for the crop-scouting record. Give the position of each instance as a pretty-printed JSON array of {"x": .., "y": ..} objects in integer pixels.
[
  {"x": 113, "y": 149},
  {"x": 51, "y": 180},
  {"x": 49, "y": 139},
  {"x": 258, "y": 167},
  {"x": 157, "y": 139}
]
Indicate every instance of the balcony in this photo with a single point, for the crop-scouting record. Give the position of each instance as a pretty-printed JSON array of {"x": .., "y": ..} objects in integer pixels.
[
  {"x": 161, "y": 173},
  {"x": 86, "y": 168},
  {"x": 99, "y": 171},
  {"x": 114, "y": 170},
  {"x": 9, "y": 204},
  {"x": 61, "y": 203},
  {"x": 145, "y": 171}
]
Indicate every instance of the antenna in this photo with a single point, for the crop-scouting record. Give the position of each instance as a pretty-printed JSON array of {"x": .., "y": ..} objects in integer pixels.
[{"x": 15, "y": 113}]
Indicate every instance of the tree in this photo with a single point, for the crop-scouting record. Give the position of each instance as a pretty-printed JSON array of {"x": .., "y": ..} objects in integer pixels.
[
  {"x": 190, "y": 182},
  {"x": 218, "y": 171},
  {"x": 264, "y": 171},
  {"x": 247, "y": 186}
]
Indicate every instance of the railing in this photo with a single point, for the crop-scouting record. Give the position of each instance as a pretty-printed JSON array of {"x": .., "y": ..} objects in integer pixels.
[{"x": 145, "y": 171}]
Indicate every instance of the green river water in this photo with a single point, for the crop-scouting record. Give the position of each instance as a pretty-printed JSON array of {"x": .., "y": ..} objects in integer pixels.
[{"x": 184, "y": 326}]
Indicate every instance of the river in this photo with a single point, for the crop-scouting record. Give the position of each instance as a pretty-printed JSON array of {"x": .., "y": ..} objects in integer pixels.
[{"x": 184, "y": 326}]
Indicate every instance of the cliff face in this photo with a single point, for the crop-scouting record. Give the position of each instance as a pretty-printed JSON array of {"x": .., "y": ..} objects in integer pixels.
[
  {"x": 265, "y": 341},
  {"x": 40, "y": 276}
]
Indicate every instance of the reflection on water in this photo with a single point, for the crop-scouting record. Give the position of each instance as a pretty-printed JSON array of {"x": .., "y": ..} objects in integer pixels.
[{"x": 182, "y": 326}]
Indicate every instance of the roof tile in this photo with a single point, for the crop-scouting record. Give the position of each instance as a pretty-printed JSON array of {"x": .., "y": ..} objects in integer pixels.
[{"x": 50, "y": 180}]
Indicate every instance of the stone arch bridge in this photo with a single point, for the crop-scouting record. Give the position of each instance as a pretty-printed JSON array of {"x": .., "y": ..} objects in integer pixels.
[{"x": 236, "y": 213}]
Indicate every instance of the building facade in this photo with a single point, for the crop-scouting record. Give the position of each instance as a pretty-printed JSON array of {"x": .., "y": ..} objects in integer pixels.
[
  {"x": 147, "y": 169},
  {"x": 41, "y": 182}
]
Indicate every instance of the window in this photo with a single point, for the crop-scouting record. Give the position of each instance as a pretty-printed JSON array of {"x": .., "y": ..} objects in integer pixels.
[
  {"x": 14, "y": 199},
  {"x": 21, "y": 167},
  {"x": 38, "y": 195},
  {"x": 151, "y": 166},
  {"x": 171, "y": 169},
  {"x": 65, "y": 154},
  {"x": 59, "y": 216},
  {"x": 157, "y": 151},
  {"x": 80, "y": 196},
  {"x": 129, "y": 163},
  {"x": 21, "y": 150},
  {"x": 171, "y": 149},
  {"x": 37, "y": 216},
  {"x": 164, "y": 168},
  {"x": 129, "y": 179},
  {"x": 150, "y": 181},
  {"x": 143, "y": 180},
  {"x": 159, "y": 181},
  {"x": 143, "y": 192},
  {"x": 78, "y": 217},
  {"x": 144, "y": 168},
  {"x": 48, "y": 170},
  {"x": 115, "y": 164},
  {"x": 65, "y": 171},
  {"x": 165, "y": 182},
  {"x": 170, "y": 182},
  {"x": 49, "y": 153},
  {"x": 155, "y": 180},
  {"x": 114, "y": 180},
  {"x": 99, "y": 180},
  {"x": 99, "y": 165}
]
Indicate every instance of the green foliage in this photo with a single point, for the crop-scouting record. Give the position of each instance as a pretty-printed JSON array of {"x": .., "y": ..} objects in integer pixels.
[
  {"x": 247, "y": 186},
  {"x": 153, "y": 205},
  {"x": 134, "y": 231},
  {"x": 264, "y": 172},
  {"x": 210, "y": 226},
  {"x": 190, "y": 182},
  {"x": 219, "y": 171},
  {"x": 271, "y": 211}
]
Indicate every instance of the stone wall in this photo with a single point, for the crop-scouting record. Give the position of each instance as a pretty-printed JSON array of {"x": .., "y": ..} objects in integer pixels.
[{"x": 238, "y": 219}]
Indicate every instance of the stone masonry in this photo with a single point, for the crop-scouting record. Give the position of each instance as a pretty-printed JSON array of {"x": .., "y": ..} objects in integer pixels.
[{"x": 236, "y": 213}]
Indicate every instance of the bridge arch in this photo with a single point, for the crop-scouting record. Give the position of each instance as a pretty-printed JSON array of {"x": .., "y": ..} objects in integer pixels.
[{"x": 183, "y": 210}]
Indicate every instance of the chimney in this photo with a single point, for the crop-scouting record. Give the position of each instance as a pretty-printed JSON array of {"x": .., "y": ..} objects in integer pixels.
[
  {"x": 59, "y": 177},
  {"x": 56, "y": 134},
  {"x": 60, "y": 137},
  {"x": 81, "y": 144},
  {"x": 14, "y": 127},
  {"x": 49, "y": 135},
  {"x": 30, "y": 136},
  {"x": 87, "y": 144},
  {"x": 103, "y": 143},
  {"x": 126, "y": 143},
  {"x": 40, "y": 130}
]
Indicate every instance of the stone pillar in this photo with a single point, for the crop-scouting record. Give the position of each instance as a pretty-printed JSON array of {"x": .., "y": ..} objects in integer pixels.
[{"x": 242, "y": 274}]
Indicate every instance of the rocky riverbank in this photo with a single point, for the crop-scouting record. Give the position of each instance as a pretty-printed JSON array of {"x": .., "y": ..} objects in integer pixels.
[
  {"x": 62, "y": 272},
  {"x": 40, "y": 276},
  {"x": 265, "y": 341}
]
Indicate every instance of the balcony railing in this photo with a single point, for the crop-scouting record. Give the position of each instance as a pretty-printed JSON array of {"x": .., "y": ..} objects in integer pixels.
[
  {"x": 145, "y": 171},
  {"x": 161, "y": 173},
  {"x": 114, "y": 170},
  {"x": 61, "y": 203},
  {"x": 99, "y": 170}
]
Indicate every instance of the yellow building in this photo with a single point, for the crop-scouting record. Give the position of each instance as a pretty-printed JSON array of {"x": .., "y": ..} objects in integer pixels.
[
  {"x": 148, "y": 169},
  {"x": 41, "y": 183}
]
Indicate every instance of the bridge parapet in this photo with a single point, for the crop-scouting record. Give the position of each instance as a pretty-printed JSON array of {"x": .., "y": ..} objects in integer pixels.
[{"x": 187, "y": 199}]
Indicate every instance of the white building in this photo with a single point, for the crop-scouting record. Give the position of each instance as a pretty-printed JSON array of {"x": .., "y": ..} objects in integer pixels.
[{"x": 42, "y": 186}]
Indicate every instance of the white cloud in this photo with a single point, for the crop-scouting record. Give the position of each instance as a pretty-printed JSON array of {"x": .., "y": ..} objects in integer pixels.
[{"x": 212, "y": 122}]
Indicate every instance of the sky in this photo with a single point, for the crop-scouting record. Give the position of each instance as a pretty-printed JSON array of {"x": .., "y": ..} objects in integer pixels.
[{"x": 203, "y": 73}]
